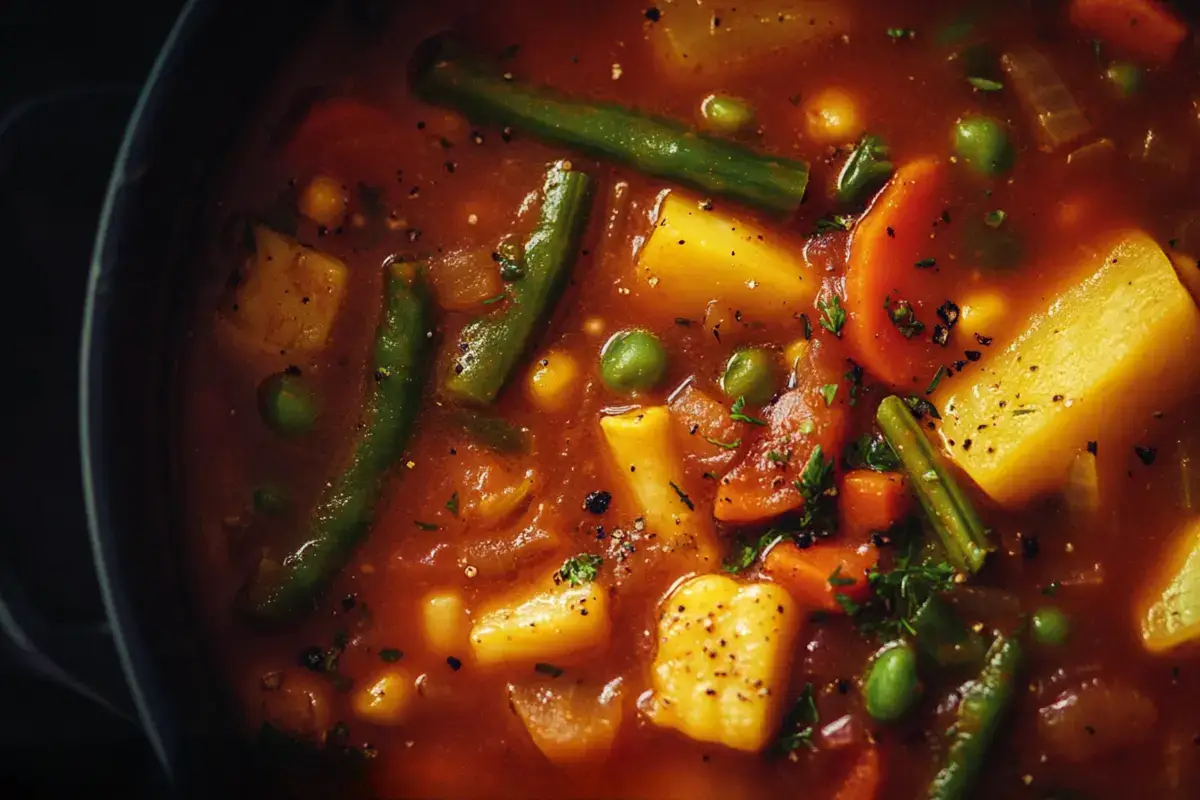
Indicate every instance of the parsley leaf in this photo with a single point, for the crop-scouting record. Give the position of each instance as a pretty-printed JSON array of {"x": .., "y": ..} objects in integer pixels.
[
  {"x": 776, "y": 457},
  {"x": 903, "y": 316},
  {"x": 737, "y": 413},
  {"x": 899, "y": 593},
  {"x": 734, "y": 445},
  {"x": 994, "y": 219},
  {"x": 748, "y": 552},
  {"x": 829, "y": 391},
  {"x": 452, "y": 504},
  {"x": 799, "y": 724},
  {"x": 937, "y": 378},
  {"x": 390, "y": 655},
  {"x": 920, "y": 407},
  {"x": 836, "y": 578},
  {"x": 896, "y": 34},
  {"x": 926, "y": 263},
  {"x": 582, "y": 568},
  {"x": 816, "y": 477},
  {"x": 985, "y": 84},
  {"x": 871, "y": 451},
  {"x": 834, "y": 222},
  {"x": 425, "y": 526},
  {"x": 833, "y": 316}
]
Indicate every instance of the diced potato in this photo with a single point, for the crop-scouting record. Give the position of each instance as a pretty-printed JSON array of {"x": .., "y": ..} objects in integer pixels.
[
  {"x": 291, "y": 294},
  {"x": 695, "y": 257},
  {"x": 720, "y": 38},
  {"x": 1081, "y": 368},
  {"x": 831, "y": 116},
  {"x": 445, "y": 623},
  {"x": 385, "y": 699},
  {"x": 647, "y": 460},
  {"x": 1170, "y": 615},
  {"x": 553, "y": 621},
  {"x": 724, "y": 652},
  {"x": 323, "y": 200},
  {"x": 553, "y": 382},
  {"x": 569, "y": 722}
]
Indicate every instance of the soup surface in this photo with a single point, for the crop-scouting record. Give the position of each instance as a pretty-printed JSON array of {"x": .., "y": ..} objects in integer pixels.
[{"x": 704, "y": 400}]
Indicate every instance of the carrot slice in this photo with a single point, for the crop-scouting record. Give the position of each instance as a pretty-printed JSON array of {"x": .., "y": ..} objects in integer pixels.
[
  {"x": 815, "y": 576},
  {"x": 1144, "y": 28},
  {"x": 864, "y": 779},
  {"x": 894, "y": 281},
  {"x": 871, "y": 501}
]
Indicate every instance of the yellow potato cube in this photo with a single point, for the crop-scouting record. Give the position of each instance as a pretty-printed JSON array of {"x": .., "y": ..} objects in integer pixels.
[
  {"x": 724, "y": 652},
  {"x": 552, "y": 622},
  {"x": 553, "y": 381},
  {"x": 1170, "y": 615},
  {"x": 290, "y": 296},
  {"x": 445, "y": 623},
  {"x": 386, "y": 699},
  {"x": 1117, "y": 344}
]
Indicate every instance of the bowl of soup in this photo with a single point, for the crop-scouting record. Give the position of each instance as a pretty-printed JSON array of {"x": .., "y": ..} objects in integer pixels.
[{"x": 699, "y": 400}]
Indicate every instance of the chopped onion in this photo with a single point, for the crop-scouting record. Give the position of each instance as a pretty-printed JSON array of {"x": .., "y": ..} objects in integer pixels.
[
  {"x": 1083, "y": 488},
  {"x": 1163, "y": 152},
  {"x": 1057, "y": 118}
]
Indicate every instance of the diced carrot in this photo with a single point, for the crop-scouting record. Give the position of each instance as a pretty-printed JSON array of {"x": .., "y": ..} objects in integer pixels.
[
  {"x": 897, "y": 276},
  {"x": 762, "y": 485},
  {"x": 815, "y": 576},
  {"x": 871, "y": 501},
  {"x": 1145, "y": 29},
  {"x": 703, "y": 423},
  {"x": 864, "y": 779}
]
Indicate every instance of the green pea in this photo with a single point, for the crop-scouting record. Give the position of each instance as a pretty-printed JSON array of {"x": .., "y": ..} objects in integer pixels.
[
  {"x": 269, "y": 501},
  {"x": 892, "y": 686},
  {"x": 632, "y": 360},
  {"x": 983, "y": 143},
  {"x": 752, "y": 374},
  {"x": 286, "y": 404},
  {"x": 727, "y": 114},
  {"x": 1050, "y": 627},
  {"x": 1126, "y": 78}
]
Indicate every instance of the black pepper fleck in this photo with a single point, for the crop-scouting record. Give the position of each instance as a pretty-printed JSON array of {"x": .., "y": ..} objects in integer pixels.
[
  {"x": 454, "y": 663},
  {"x": 1146, "y": 454},
  {"x": 597, "y": 502}
]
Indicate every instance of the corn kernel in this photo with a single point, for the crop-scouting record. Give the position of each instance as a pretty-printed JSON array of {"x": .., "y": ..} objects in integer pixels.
[
  {"x": 831, "y": 117},
  {"x": 385, "y": 700},
  {"x": 984, "y": 313},
  {"x": 552, "y": 382},
  {"x": 323, "y": 200},
  {"x": 444, "y": 618}
]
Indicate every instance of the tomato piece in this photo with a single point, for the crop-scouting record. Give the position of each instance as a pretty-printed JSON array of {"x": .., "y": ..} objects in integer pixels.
[{"x": 894, "y": 281}]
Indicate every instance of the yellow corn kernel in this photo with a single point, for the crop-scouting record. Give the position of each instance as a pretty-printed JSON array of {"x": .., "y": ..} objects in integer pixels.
[
  {"x": 831, "y": 116},
  {"x": 323, "y": 200},
  {"x": 444, "y": 619},
  {"x": 983, "y": 313},
  {"x": 553, "y": 381},
  {"x": 386, "y": 699},
  {"x": 795, "y": 356}
]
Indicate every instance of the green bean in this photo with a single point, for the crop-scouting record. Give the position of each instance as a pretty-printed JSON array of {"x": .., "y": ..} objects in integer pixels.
[
  {"x": 726, "y": 114},
  {"x": 891, "y": 686},
  {"x": 752, "y": 373},
  {"x": 657, "y": 147},
  {"x": 945, "y": 504},
  {"x": 633, "y": 360},
  {"x": 984, "y": 701},
  {"x": 983, "y": 143},
  {"x": 1051, "y": 628},
  {"x": 943, "y": 637},
  {"x": 867, "y": 169},
  {"x": 342, "y": 518},
  {"x": 286, "y": 404}
]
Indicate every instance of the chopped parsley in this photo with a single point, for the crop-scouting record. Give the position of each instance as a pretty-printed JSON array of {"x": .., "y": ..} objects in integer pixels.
[
  {"x": 799, "y": 724},
  {"x": 776, "y": 457},
  {"x": 871, "y": 451},
  {"x": 734, "y": 445},
  {"x": 899, "y": 593},
  {"x": 985, "y": 84},
  {"x": 748, "y": 552},
  {"x": 833, "y": 316},
  {"x": 834, "y": 222},
  {"x": 855, "y": 377},
  {"x": 582, "y": 568},
  {"x": 836, "y": 578},
  {"x": 896, "y": 34},
  {"x": 547, "y": 669},
  {"x": 452, "y": 504},
  {"x": 921, "y": 408},
  {"x": 903, "y": 316},
  {"x": 687, "y": 501},
  {"x": 737, "y": 413},
  {"x": 425, "y": 526},
  {"x": 495, "y": 298},
  {"x": 806, "y": 427},
  {"x": 814, "y": 484},
  {"x": 926, "y": 263},
  {"x": 807, "y": 326},
  {"x": 829, "y": 391},
  {"x": 390, "y": 655},
  {"x": 937, "y": 378},
  {"x": 994, "y": 219}
]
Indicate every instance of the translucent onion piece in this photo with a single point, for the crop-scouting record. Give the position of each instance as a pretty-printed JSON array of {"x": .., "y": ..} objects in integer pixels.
[
  {"x": 1057, "y": 118},
  {"x": 1162, "y": 152},
  {"x": 1083, "y": 488}
]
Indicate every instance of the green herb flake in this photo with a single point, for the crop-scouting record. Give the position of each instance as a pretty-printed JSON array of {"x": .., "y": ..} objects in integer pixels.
[
  {"x": 985, "y": 84},
  {"x": 495, "y": 298},
  {"x": 737, "y": 413},
  {"x": 687, "y": 501},
  {"x": 926, "y": 263},
  {"x": 871, "y": 451},
  {"x": 748, "y": 552},
  {"x": 425, "y": 526},
  {"x": 579, "y": 569},
  {"x": 390, "y": 655},
  {"x": 734, "y": 445},
  {"x": 937, "y": 378},
  {"x": 994, "y": 219},
  {"x": 896, "y": 34},
  {"x": 903, "y": 316},
  {"x": 829, "y": 391},
  {"x": 848, "y": 605},
  {"x": 1020, "y": 412},
  {"x": 550, "y": 670},
  {"x": 799, "y": 724},
  {"x": 452, "y": 504},
  {"x": 833, "y": 223},
  {"x": 833, "y": 316},
  {"x": 776, "y": 457},
  {"x": 836, "y": 578}
]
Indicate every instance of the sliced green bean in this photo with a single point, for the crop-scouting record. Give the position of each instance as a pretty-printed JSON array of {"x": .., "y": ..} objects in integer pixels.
[{"x": 868, "y": 168}]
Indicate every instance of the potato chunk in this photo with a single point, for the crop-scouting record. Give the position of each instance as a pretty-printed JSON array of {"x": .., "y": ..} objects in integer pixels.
[
  {"x": 724, "y": 651},
  {"x": 1117, "y": 344},
  {"x": 696, "y": 257},
  {"x": 554, "y": 621},
  {"x": 290, "y": 296},
  {"x": 1170, "y": 616}
]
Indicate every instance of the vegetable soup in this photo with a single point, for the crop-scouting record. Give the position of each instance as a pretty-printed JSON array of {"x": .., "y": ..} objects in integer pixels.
[{"x": 788, "y": 398}]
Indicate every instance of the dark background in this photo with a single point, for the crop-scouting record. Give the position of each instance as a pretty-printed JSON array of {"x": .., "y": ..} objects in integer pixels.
[{"x": 68, "y": 79}]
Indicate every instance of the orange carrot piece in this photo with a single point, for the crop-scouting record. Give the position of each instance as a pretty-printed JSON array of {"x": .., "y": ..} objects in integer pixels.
[
  {"x": 864, "y": 779},
  {"x": 871, "y": 501},
  {"x": 806, "y": 573},
  {"x": 898, "y": 258},
  {"x": 1145, "y": 29},
  {"x": 702, "y": 420}
]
